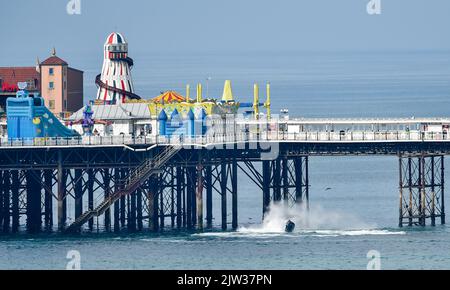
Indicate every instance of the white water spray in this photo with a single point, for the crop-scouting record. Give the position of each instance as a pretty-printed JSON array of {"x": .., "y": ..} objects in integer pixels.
[{"x": 316, "y": 220}]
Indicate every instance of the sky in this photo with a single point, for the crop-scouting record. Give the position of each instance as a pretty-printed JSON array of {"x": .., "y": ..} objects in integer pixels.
[{"x": 31, "y": 28}]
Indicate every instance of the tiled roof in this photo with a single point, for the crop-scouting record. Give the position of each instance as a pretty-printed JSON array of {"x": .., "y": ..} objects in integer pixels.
[
  {"x": 13, "y": 75},
  {"x": 54, "y": 60}
]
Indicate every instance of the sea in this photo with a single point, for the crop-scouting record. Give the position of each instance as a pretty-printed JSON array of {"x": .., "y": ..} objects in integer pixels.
[{"x": 353, "y": 218}]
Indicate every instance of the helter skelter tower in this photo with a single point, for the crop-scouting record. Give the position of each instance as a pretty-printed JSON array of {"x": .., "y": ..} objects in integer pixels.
[{"x": 115, "y": 84}]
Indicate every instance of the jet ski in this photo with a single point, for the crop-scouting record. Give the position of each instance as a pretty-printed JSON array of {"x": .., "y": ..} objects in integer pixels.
[{"x": 290, "y": 226}]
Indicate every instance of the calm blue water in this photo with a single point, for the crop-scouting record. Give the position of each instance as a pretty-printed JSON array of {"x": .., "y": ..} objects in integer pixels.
[{"x": 354, "y": 199}]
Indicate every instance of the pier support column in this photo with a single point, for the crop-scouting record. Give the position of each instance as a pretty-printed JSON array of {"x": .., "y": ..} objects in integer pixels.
[
  {"x": 132, "y": 211},
  {"x": 1, "y": 199},
  {"x": 223, "y": 193},
  {"x": 90, "y": 189},
  {"x": 305, "y": 182},
  {"x": 6, "y": 201},
  {"x": 33, "y": 201},
  {"x": 15, "y": 200},
  {"x": 433, "y": 193},
  {"x": 160, "y": 204},
  {"x": 107, "y": 189},
  {"x": 190, "y": 197},
  {"x": 185, "y": 177},
  {"x": 422, "y": 193},
  {"x": 299, "y": 185},
  {"x": 78, "y": 193},
  {"x": 123, "y": 174},
  {"x": 173, "y": 198},
  {"x": 285, "y": 179},
  {"x": 180, "y": 181},
  {"x": 442, "y": 212},
  {"x": 48, "y": 199},
  {"x": 266, "y": 177},
  {"x": 62, "y": 206},
  {"x": 199, "y": 197},
  {"x": 209, "y": 191},
  {"x": 132, "y": 215},
  {"x": 234, "y": 194},
  {"x": 153, "y": 204},
  {"x": 117, "y": 186},
  {"x": 194, "y": 197},
  {"x": 421, "y": 189},
  {"x": 139, "y": 209},
  {"x": 276, "y": 167}
]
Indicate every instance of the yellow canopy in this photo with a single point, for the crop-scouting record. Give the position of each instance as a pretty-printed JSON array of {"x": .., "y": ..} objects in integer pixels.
[{"x": 168, "y": 97}]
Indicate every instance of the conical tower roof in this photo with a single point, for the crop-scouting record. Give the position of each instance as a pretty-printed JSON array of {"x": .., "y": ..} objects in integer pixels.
[{"x": 227, "y": 92}]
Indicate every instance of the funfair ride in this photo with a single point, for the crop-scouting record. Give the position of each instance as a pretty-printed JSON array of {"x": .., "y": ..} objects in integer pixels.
[{"x": 115, "y": 84}]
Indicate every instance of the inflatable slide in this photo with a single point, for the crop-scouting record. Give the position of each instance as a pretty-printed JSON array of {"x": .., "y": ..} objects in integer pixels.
[{"x": 28, "y": 117}]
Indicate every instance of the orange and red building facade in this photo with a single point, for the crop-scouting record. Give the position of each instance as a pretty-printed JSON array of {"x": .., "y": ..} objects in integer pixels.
[{"x": 60, "y": 85}]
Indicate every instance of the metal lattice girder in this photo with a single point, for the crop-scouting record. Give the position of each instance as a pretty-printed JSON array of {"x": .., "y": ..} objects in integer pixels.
[
  {"x": 421, "y": 189},
  {"x": 167, "y": 207},
  {"x": 284, "y": 180}
]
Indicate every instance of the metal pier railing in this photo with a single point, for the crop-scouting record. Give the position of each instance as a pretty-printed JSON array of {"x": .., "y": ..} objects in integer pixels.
[{"x": 310, "y": 136}]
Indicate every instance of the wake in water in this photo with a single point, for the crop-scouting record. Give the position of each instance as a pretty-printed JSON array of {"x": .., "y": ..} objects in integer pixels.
[{"x": 316, "y": 222}]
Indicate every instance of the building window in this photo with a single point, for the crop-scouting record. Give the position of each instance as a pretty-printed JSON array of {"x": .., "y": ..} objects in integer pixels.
[
  {"x": 65, "y": 84},
  {"x": 51, "y": 71},
  {"x": 65, "y": 105},
  {"x": 30, "y": 85},
  {"x": 51, "y": 104},
  {"x": 51, "y": 85}
]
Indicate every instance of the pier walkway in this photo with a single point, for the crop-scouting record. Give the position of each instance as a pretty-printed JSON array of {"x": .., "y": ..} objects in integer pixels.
[{"x": 288, "y": 131}]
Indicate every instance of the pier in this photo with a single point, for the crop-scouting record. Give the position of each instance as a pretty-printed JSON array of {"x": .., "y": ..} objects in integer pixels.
[{"x": 113, "y": 183}]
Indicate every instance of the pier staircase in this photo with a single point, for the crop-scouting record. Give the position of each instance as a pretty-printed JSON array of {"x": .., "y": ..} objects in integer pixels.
[{"x": 127, "y": 186}]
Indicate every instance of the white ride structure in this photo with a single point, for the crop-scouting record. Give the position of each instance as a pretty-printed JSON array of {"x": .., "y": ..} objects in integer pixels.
[{"x": 115, "y": 84}]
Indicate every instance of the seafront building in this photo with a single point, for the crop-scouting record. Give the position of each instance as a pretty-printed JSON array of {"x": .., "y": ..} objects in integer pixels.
[{"x": 60, "y": 85}]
